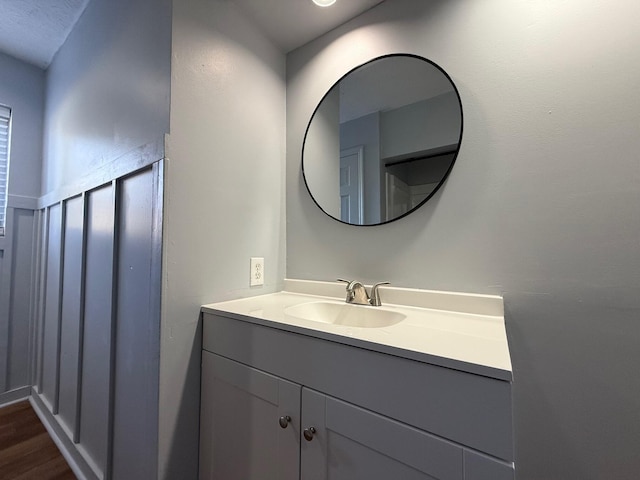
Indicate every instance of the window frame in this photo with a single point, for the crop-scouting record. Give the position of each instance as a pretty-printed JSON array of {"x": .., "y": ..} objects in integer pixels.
[{"x": 5, "y": 159}]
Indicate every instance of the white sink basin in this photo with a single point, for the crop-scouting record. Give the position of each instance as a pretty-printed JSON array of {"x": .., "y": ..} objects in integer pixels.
[
  {"x": 455, "y": 330},
  {"x": 345, "y": 314}
]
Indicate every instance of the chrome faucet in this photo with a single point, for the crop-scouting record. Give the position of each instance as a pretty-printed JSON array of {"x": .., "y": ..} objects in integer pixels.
[{"x": 357, "y": 293}]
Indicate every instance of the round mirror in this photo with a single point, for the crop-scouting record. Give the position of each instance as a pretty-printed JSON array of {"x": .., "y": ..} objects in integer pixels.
[{"x": 382, "y": 140}]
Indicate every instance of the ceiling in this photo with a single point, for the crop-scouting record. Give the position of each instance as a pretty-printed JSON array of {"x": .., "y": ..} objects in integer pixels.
[
  {"x": 34, "y": 30},
  {"x": 292, "y": 23}
]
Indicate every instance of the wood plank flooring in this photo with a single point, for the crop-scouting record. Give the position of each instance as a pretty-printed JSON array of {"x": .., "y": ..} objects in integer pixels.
[{"x": 26, "y": 450}]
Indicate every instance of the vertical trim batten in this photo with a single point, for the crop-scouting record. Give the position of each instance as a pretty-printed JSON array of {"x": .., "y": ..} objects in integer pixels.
[
  {"x": 63, "y": 221},
  {"x": 9, "y": 274},
  {"x": 156, "y": 276},
  {"x": 83, "y": 273},
  {"x": 43, "y": 298},
  {"x": 34, "y": 304},
  {"x": 108, "y": 471}
]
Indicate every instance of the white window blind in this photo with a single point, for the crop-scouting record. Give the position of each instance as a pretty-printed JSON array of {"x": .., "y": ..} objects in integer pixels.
[{"x": 5, "y": 124}]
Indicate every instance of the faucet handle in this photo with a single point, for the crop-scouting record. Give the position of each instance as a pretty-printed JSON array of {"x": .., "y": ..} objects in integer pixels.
[{"x": 375, "y": 296}]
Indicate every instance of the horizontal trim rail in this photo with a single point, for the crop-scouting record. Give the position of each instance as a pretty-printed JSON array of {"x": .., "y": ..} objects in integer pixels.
[
  {"x": 130, "y": 162},
  {"x": 19, "y": 201}
]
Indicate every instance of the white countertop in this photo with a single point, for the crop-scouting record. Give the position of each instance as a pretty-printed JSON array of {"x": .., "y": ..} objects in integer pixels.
[{"x": 450, "y": 335}]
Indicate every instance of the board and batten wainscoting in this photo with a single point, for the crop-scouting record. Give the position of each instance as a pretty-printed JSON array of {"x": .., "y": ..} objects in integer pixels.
[
  {"x": 17, "y": 276},
  {"x": 90, "y": 319}
]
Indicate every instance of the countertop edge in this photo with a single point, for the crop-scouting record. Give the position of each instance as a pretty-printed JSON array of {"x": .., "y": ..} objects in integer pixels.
[{"x": 467, "y": 367}]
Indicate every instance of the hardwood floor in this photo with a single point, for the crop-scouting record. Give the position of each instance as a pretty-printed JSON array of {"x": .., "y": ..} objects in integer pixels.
[{"x": 26, "y": 450}]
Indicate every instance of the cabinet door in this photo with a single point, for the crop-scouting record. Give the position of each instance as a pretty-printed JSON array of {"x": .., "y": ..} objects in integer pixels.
[
  {"x": 244, "y": 431},
  {"x": 350, "y": 443}
]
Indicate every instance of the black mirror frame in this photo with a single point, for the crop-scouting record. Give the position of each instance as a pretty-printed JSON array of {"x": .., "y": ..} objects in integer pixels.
[{"x": 444, "y": 177}]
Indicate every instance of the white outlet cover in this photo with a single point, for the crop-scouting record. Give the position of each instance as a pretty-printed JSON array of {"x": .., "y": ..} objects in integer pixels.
[{"x": 256, "y": 275}]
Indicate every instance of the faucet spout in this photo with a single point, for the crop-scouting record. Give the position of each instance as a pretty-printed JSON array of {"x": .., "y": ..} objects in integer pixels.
[
  {"x": 359, "y": 294},
  {"x": 356, "y": 292}
]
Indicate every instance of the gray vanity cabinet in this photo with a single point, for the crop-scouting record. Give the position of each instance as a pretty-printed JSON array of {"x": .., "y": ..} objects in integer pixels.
[
  {"x": 283, "y": 405},
  {"x": 253, "y": 427}
]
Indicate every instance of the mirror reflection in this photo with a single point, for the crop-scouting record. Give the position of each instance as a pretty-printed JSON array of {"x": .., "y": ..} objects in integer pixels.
[{"x": 382, "y": 140}]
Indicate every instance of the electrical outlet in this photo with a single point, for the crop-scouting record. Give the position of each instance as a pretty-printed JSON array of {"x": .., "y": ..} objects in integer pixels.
[{"x": 257, "y": 271}]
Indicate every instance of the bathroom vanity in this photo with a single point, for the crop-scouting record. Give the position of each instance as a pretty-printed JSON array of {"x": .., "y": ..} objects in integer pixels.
[{"x": 297, "y": 385}]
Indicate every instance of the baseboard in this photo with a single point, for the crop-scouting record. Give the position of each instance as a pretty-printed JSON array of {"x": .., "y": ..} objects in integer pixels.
[
  {"x": 69, "y": 451},
  {"x": 14, "y": 396}
]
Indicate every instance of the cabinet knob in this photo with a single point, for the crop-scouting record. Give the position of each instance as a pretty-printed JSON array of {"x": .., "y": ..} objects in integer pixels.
[
  {"x": 309, "y": 433},
  {"x": 284, "y": 421}
]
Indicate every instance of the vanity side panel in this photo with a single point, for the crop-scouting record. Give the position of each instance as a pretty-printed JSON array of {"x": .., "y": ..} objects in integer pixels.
[{"x": 469, "y": 409}]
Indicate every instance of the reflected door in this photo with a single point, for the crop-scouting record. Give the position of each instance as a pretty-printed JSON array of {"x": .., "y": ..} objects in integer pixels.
[
  {"x": 351, "y": 185},
  {"x": 398, "y": 197}
]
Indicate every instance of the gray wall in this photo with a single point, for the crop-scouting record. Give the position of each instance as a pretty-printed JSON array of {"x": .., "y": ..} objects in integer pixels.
[
  {"x": 22, "y": 89},
  {"x": 541, "y": 206},
  {"x": 224, "y": 196},
  {"x": 107, "y": 88}
]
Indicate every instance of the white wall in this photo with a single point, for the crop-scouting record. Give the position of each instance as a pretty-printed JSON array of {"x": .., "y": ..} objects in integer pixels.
[
  {"x": 224, "y": 196},
  {"x": 107, "y": 88},
  {"x": 541, "y": 206},
  {"x": 22, "y": 89}
]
